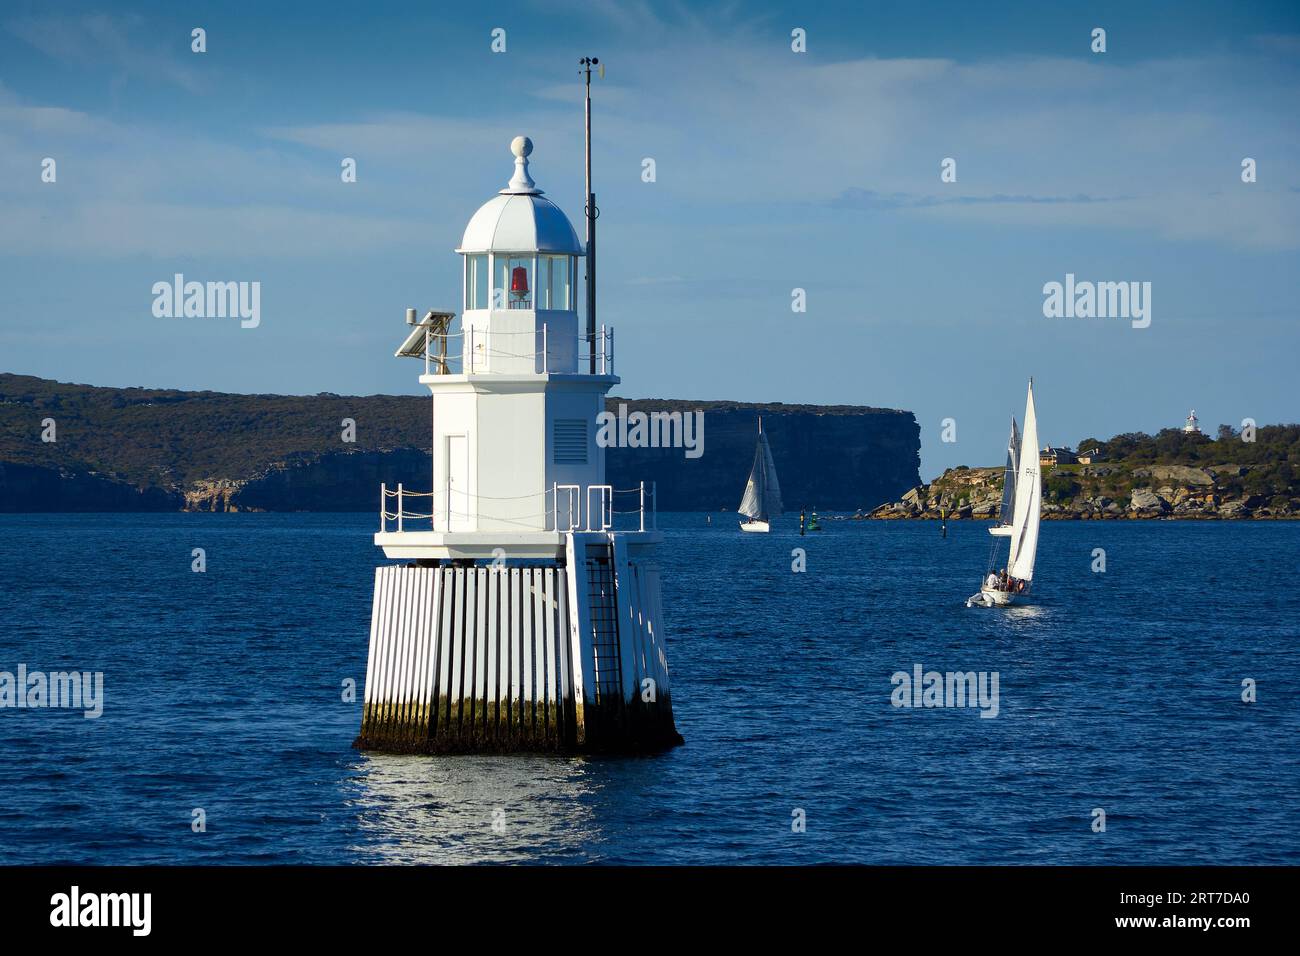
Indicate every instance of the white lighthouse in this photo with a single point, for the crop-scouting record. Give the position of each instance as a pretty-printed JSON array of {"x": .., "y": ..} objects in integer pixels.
[{"x": 527, "y": 615}]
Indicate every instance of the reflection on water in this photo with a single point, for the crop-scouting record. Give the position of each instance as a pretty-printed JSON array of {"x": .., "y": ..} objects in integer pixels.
[
  {"x": 1024, "y": 612},
  {"x": 418, "y": 810}
]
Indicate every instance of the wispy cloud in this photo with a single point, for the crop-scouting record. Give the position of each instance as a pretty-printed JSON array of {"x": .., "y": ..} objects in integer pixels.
[
  {"x": 735, "y": 123},
  {"x": 118, "y": 42},
  {"x": 176, "y": 231},
  {"x": 868, "y": 199},
  {"x": 414, "y": 139}
]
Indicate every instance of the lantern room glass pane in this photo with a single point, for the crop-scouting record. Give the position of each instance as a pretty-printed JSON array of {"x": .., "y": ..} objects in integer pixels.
[
  {"x": 499, "y": 282},
  {"x": 544, "y": 282},
  {"x": 476, "y": 282},
  {"x": 513, "y": 282},
  {"x": 558, "y": 270}
]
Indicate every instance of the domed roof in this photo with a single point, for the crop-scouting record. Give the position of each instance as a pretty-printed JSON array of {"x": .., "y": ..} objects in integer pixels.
[
  {"x": 520, "y": 223},
  {"x": 520, "y": 219}
]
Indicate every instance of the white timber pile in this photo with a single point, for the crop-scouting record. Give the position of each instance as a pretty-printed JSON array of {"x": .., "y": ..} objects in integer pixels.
[{"x": 482, "y": 658}]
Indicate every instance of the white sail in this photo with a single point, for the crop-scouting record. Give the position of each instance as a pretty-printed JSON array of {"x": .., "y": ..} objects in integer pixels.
[
  {"x": 762, "y": 498},
  {"x": 772, "y": 499},
  {"x": 1029, "y": 493},
  {"x": 751, "y": 504},
  {"x": 1007, "y": 510}
]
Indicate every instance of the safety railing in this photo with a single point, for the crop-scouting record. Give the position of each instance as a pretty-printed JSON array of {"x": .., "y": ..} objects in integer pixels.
[
  {"x": 604, "y": 509},
  {"x": 477, "y": 347},
  {"x": 603, "y": 350},
  {"x": 572, "y": 508}
]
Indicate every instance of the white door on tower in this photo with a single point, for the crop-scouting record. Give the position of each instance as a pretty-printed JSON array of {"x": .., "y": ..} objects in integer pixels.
[{"x": 459, "y": 506}]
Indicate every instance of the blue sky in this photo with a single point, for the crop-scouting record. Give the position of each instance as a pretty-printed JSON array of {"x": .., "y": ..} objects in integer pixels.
[{"x": 775, "y": 170}]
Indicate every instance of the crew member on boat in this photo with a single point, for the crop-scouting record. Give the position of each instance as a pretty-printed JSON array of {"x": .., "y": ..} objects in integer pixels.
[{"x": 1005, "y": 582}]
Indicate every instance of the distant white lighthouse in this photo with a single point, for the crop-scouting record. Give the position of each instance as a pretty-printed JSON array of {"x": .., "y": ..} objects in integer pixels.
[
  {"x": 1192, "y": 426},
  {"x": 527, "y": 616}
]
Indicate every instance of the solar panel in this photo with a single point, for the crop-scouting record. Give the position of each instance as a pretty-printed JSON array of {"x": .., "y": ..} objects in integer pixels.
[{"x": 434, "y": 323}]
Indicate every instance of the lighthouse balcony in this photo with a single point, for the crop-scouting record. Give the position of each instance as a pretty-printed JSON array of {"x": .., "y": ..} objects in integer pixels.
[
  {"x": 561, "y": 507},
  {"x": 518, "y": 343},
  {"x": 448, "y": 524}
]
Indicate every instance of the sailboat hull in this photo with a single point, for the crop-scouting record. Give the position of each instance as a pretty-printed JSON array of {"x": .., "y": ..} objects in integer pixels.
[
  {"x": 995, "y": 598},
  {"x": 756, "y": 526}
]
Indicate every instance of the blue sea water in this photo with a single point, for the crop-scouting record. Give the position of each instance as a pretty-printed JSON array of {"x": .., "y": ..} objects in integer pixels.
[{"x": 223, "y": 691}]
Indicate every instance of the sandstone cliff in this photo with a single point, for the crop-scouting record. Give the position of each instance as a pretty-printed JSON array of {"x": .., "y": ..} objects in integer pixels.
[{"x": 166, "y": 450}]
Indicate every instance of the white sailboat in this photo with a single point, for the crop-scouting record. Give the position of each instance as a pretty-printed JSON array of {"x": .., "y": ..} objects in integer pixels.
[
  {"x": 1018, "y": 517},
  {"x": 762, "y": 499}
]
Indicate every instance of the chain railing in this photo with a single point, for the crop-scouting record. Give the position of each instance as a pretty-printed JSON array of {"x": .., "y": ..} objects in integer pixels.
[{"x": 439, "y": 360}]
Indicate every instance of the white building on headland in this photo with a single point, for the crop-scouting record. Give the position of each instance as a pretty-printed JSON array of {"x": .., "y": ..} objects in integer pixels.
[
  {"x": 1192, "y": 426},
  {"x": 528, "y": 616}
]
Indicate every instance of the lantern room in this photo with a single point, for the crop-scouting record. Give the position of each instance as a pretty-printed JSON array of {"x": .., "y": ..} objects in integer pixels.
[
  {"x": 519, "y": 280},
  {"x": 520, "y": 294}
]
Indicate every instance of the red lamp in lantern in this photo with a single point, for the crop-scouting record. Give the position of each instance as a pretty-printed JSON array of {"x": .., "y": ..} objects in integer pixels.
[{"x": 519, "y": 284}]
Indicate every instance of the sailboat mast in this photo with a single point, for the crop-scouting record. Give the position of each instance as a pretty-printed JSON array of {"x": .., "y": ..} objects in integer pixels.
[{"x": 587, "y": 63}]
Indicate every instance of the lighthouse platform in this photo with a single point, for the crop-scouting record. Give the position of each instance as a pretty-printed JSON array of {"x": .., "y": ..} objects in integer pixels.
[
  {"x": 558, "y": 648},
  {"x": 463, "y": 546}
]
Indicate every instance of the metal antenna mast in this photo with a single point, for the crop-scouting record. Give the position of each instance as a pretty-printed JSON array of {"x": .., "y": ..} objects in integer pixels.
[{"x": 592, "y": 212}]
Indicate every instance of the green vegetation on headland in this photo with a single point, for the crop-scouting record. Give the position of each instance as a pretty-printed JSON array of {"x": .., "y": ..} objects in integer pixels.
[
  {"x": 1173, "y": 474},
  {"x": 138, "y": 449}
]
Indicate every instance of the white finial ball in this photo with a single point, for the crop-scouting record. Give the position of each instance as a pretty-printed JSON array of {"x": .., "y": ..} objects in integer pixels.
[{"x": 521, "y": 146}]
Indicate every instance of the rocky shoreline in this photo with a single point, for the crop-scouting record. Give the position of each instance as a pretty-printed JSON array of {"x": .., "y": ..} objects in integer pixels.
[{"x": 1098, "y": 492}]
